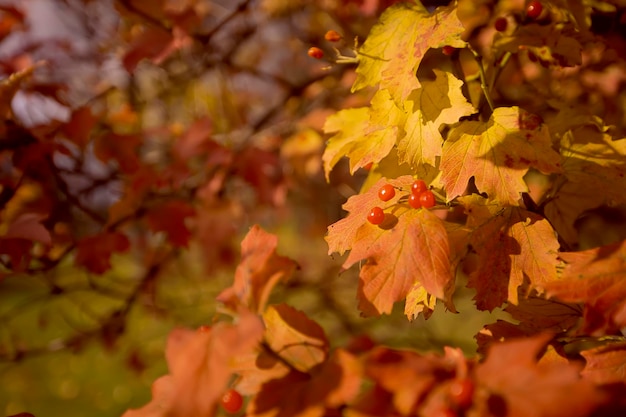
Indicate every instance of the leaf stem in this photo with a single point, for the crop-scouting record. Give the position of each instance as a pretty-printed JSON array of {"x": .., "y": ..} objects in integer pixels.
[{"x": 483, "y": 79}]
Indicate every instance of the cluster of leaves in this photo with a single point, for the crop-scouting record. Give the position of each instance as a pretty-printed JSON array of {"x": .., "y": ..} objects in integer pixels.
[
  {"x": 505, "y": 110},
  {"x": 282, "y": 361}
]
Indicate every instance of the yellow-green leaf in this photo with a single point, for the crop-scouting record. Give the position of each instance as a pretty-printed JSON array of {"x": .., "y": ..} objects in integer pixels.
[
  {"x": 365, "y": 135},
  {"x": 397, "y": 44},
  {"x": 436, "y": 103}
]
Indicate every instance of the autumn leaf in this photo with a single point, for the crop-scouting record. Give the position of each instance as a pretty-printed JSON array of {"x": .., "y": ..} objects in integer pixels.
[
  {"x": 436, "y": 103},
  {"x": 79, "y": 128},
  {"x": 397, "y": 44},
  {"x": 260, "y": 269},
  {"x": 551, "y": 45},
  {"x": 365, "y": 134},
  {"x": 519, "y": 386},
  {"x": 512, "y": 245},
  {"x": 409, "y": 376},
  {"x": 408, "y": 254},
  {"x": 497, "y": 154},
  {"x": 294, "y": 337},
  {"x": 595, "y": 277},
  {"x": 335, "y": 383},
  {"x": 594, "y": 174},
  {"x": 532, "y": 315},
  {"x": 169, "y": 217},
  {"x": 196, "y": 140},
  {"x": 27, "y": 226},
  {"x": 200, "y": 366},
  {"x": 94, "y": 252},
  {"x": 605, "y": 364},
  {"x": 123, "y": 149}
]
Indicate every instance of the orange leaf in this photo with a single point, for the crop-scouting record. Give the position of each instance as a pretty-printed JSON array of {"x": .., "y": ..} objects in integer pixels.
[
  {"x": 260, "y": 269},
  {"x": 606, "y": 364},
  {"x": 297, "y": 339},
  {"x": 408, "y": 254},
  {"x": 519, "y": 386},
  {"x": 511, "y": 244},
  {"x": 334, "y": 384},
  {"x": 595, "y": 277},
  {"x": 200, "y": 368}
]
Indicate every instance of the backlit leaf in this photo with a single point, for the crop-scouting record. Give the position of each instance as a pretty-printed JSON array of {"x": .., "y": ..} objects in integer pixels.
[
  {"x": 397, "y": 44},
  {"x": 410, "y": 249},
  {"x": 497, "y": 154},
  {"x": 436, "y": 103},
  {"x": 364, "y": 135},
  {"x": 294, "y": 337},
  {"x": 512, "y": 245}
]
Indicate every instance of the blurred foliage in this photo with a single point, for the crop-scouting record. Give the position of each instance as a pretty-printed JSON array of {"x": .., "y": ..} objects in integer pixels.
[{"x": 107, "y": 107}]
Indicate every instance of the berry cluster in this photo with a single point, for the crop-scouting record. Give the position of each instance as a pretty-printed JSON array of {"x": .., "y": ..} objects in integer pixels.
[{"x": 420, "y": 197}]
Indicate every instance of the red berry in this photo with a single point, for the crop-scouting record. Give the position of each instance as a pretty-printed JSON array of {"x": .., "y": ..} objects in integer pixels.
[
  {"x": 386, "y": 192},
  {"x": 448, "y": 50},
  {"x": 418, "y": 187},
  {"x": 376, "y": 216},
  {"x": 231, "y": 401},
  {"x": 461, "y": 392},
  {"x": 501, "y": 24},
  {"x": 332, "y": 36},
  {"x": 315, "y": 52},
  {"x": 414, "y": 201},
  {"x": 534, "y": 9},
  {"x": 427, "y": 199}
]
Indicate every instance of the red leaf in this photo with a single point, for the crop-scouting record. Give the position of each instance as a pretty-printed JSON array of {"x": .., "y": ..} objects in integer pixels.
[
  {"x": 262, "y": 169},
  {"x": 149, "y": 45},
  {"x": 260, "y": 269},
  {"x": 169, "y": 218},
  {"x": 121, "y": 149},
  {"x": 195, "y": 141},
  {"x": 28, "y": 226},
  {"x": 79, "y": 127},
  {"x": 94, "y": 252}
]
